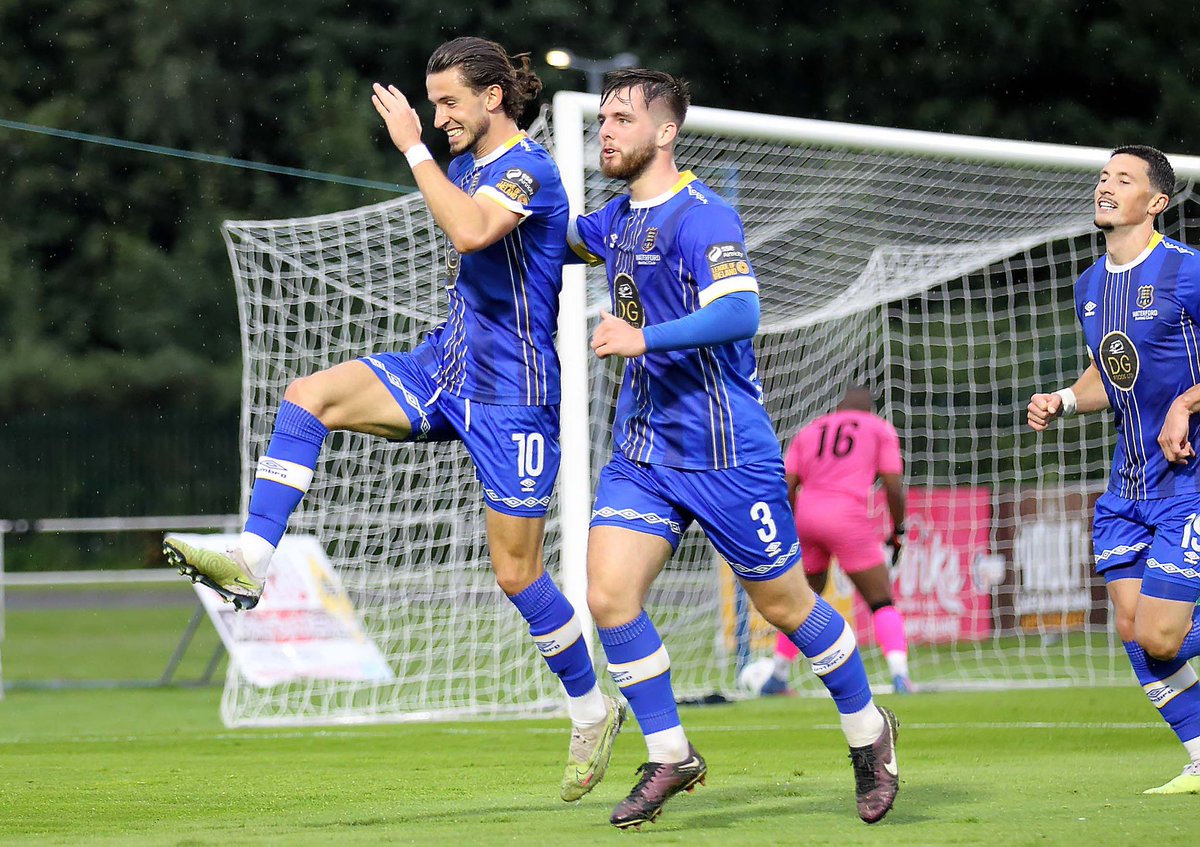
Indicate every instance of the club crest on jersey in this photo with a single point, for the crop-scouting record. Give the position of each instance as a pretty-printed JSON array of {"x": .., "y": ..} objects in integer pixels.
[
  {"x": 649, "y": 239},
  {"x": 627, "y": 303},
  {"x": 1145, "y": 296},
  {"x": 1119, "y": 360}
]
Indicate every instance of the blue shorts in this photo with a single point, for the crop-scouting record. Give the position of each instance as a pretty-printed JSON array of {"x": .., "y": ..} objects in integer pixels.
[
  {"x": 1156, "y": 541},
  {"x": 515, "y": 448},
  {"x": 743, "y": 511}
]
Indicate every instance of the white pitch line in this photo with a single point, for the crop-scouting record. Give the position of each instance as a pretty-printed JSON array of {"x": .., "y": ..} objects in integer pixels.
[{"x": 254, "y": 735}]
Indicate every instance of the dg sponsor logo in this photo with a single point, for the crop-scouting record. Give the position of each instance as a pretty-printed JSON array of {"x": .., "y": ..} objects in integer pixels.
[
  {"x": 627, "y": 303},
  {"x": 1119, "y": 360}
]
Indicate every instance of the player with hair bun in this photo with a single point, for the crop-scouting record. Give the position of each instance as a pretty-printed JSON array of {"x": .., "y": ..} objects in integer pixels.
[{"x": 488, "y": 376}]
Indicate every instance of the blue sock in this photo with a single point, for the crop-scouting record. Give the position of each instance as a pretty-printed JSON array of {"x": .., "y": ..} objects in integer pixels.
[
  {"x": 828, "y": 641},
  {"x": 284, "y": 471},
  {"x": 1172, "y": 688},
  {"x": 641, "y": 668},
  {"x": 557, "y": 633},
  {"x": 1190, "y": 648}
]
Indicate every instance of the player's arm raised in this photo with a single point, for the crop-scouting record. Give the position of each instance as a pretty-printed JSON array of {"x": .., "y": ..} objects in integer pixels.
[
  {"x": 1086, "y": 395},
  {"x": 471, "y": 223}
]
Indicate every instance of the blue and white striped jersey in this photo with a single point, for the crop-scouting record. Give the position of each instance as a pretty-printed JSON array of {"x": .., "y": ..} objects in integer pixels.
[
  {"x": 1141, "y": 322},
  {"x": 697, "y": 408},
  {"x": 497, "y": 343}
]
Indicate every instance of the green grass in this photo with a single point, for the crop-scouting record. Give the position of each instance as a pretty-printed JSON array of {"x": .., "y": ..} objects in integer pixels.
[
  {"x": 156, "y": 767},
  {"x": 146, "y": 766}
]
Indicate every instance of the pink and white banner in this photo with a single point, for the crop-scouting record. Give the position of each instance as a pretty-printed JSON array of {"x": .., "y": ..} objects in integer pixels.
[{"x": 937, "y": 585}]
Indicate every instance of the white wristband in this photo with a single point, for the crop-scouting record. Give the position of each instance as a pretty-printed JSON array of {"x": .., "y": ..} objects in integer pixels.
[
  {"x": 417, "y": 154},
  {"x": 1069, "y": 403}
]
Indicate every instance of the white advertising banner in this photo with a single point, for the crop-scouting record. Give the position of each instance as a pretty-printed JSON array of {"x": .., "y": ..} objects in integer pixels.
[{"x": 303, "y": 628}]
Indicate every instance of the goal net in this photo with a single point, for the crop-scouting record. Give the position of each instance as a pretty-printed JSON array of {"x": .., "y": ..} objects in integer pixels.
[{"x": 937, "y": 270}]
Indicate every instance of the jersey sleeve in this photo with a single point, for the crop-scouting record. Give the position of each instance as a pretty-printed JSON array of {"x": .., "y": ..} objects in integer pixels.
[
  {"x": 712, "y": 244},
  {"x": 515, "y": 183},
  {"x": 889, "y": 450},
  {"x": 586, "y": 236},
  {"x": 1188, "y": 290}
]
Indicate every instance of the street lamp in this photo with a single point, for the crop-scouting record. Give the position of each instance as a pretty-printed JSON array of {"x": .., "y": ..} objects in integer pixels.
[{"x": 595, "y": 69}]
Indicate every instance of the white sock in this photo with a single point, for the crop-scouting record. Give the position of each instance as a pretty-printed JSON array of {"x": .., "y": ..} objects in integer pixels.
[
  {"x": 256, "y": 553},
  {"x": 669, "y": 745},
  {"x": 783, "y": 668},
  {"x": 864, "y": 726},
  {"x": 1193, "y": 749},
  {"x": 587, "y": 709},
  {"x": 897, "y": 663}
]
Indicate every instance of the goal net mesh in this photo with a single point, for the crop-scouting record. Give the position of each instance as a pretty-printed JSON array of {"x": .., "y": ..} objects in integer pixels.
[{"x": 944, "y": 285}]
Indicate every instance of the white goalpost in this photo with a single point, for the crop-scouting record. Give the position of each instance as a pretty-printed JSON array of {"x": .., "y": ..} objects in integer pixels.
[{"x": 937, "y": 269}]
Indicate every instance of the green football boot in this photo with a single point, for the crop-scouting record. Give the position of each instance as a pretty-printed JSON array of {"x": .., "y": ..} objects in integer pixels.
[
  {"x": 1187, "y": 782},
  {"x": 591, "y": 749},
  {"x": 224, "y": 573}
]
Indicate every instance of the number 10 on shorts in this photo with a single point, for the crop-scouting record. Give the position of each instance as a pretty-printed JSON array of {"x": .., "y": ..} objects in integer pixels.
[{"x": 531, "y": 453}]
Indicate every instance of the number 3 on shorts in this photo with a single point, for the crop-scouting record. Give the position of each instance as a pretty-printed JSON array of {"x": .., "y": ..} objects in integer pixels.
[{"x": 761, "y": 512}]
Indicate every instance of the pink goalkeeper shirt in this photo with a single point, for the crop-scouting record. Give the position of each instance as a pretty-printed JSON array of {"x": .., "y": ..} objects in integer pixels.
[{"x": 840, "y": 454}]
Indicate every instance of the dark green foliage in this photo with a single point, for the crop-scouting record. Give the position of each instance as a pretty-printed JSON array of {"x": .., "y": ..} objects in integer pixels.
[{"x": 115, "y": 290}]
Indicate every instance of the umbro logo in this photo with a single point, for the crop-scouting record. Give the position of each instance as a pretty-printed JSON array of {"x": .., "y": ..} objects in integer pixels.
[{"x": 1089, "y": 309}]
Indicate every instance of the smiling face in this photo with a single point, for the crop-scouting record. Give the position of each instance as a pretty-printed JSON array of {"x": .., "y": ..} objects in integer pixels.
[
  {"x": 630, "y": 133},
  {"x": 1124, "y": 196},
  {"x": 461, "y": 113}
]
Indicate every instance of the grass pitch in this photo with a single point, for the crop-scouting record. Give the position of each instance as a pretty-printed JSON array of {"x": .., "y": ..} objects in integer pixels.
[{"x": 155, "y": 766}]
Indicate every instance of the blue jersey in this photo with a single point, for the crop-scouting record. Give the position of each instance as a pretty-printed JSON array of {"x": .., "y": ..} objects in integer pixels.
[
  {"x": 497, "y": 343},
  {"x": 1141, "y": 322},
  {"x": 699, "y": 408}
]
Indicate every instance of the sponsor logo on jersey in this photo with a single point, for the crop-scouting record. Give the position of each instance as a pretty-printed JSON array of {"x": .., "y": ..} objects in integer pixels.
[
  {"x": 1089, "y": 309},
  {"x": 1177, "y": 248},
  {"x": 649, "y": 239},
  {"x": 726, "y": 259},
  {"x": 627, "y": 303},
  {"x": 1119, "y": 360},
  {"x": 453, "y": 265},
  {"x": 647, "y": 258},
  {"x": 692, "y": 191}
]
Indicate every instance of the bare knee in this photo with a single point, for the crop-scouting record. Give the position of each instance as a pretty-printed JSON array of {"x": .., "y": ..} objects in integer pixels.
[
  {"x": 1125, "y": 627},
  {"x": 1159, "y": 643},
  {"x": 305, "y": 392},
  {"x": 514, "y": 575},
  {"x": 610, "y": 606}
]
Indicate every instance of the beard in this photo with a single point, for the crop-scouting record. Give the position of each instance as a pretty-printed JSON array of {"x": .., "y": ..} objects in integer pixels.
[
  {"x": 471, "y": 135},
  {"x": 631, "y": 163},
  {"x": 1106, "y": 227}
]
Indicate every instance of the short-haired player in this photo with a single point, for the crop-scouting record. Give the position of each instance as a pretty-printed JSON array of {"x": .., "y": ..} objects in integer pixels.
[
  {"x": 694, "y": 443},
  {"x": 832, "y": 466},
  {"x": 1139, "y": 307}
]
